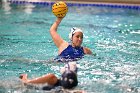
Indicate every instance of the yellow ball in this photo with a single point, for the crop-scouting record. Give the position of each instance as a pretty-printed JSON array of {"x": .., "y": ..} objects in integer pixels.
[{"x": 60, "y": 9}]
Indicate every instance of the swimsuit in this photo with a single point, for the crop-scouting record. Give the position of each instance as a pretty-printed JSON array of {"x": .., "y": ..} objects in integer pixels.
[
  {"x": 66, "y": 83},
  {"x": 70, "y": 54},
  {"x": 49, "y": 87}
]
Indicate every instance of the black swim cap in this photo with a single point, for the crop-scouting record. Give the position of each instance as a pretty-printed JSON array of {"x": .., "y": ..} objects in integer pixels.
[{"x": 69, "y": 79}]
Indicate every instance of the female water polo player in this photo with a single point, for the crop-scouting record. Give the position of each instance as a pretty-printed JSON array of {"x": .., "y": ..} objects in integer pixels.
[
  {"x": 68, "y": 78},
  {"x": 69, "y": 51}
]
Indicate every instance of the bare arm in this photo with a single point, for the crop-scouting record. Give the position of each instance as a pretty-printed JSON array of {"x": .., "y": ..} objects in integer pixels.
[
  {"x": 55, "y": 36},
  {"x": 50, "y": 79}
]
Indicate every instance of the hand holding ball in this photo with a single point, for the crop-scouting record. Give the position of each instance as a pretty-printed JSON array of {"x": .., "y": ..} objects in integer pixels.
[{"x": 60, "y": 9}]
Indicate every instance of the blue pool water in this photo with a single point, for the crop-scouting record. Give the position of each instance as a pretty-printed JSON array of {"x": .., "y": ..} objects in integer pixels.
[{"x": 112, "y": 33}]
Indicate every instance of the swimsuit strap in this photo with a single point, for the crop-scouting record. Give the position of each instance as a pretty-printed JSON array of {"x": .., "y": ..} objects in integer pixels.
[{"x": 67, "y": 67}]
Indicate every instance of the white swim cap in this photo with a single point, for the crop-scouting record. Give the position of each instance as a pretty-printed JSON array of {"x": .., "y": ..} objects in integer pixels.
[
  {"x": 69, "y": 66},
  {"x": 73, "y": 31}
]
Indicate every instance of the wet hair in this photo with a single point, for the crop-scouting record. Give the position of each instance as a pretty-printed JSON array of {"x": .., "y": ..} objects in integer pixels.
[{"x": 69, "y": 79}]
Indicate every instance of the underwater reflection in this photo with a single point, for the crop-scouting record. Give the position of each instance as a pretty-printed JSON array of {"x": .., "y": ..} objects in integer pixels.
[
  {"x": 29, "y": 8},
  {"x": 6, "y": 6}
]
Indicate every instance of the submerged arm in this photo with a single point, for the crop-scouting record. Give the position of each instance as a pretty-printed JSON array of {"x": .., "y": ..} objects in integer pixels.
[{"x": 88, "y": 51}]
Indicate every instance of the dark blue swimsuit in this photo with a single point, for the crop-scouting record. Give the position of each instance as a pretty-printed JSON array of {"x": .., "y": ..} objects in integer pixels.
[{"x": 70, "y": 54}]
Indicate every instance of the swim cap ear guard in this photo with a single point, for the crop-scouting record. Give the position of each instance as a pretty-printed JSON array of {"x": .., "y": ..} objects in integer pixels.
[
  {"x": 69, "y": 79},
  {"x": 73, "y": 31}
]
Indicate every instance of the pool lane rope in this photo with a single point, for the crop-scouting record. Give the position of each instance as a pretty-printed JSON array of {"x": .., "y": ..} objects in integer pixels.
[{"x": 49, "y": 3}]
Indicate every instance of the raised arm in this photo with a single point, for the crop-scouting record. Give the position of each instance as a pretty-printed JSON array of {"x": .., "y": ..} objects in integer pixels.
[{"x": 55, "y": 36}]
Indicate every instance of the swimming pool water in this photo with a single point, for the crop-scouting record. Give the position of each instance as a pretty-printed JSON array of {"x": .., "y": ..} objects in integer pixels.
[{"x": 112, "y": 33}]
